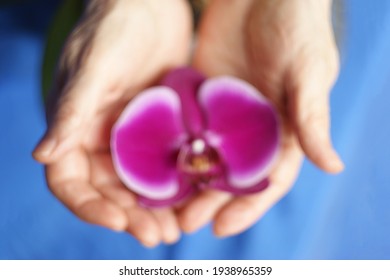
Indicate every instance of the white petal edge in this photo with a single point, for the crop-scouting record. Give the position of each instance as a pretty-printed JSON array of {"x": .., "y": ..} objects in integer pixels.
[
  {"x": 136, "y": 106},
  {"x": 211, "y": 86}
]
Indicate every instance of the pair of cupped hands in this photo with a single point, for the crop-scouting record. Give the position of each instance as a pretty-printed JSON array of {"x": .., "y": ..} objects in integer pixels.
[{"x": 284, "y": 48}]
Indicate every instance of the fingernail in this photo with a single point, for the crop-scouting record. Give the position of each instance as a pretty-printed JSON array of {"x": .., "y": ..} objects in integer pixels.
[
  {"x": 224, "y": 229},
  {"x": 119, "y": 225},
  {"x": 174, "y": 238},
  {"x": 188, "y": 225},
  {"x": 147, "y": 237},
  {"x": 221, "y": 233},
  {"x": 44, "y": 149},
  {"x": 150, "y": 243}
]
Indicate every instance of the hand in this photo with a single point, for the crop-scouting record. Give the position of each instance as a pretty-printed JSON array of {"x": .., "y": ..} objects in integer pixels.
[
  {"x": 287, "y": 50},
  {"x": 119, "y": 48}
]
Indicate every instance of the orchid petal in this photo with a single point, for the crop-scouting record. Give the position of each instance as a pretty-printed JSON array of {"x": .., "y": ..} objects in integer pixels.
[
  {"x": 223, "y": 185},
  {"x": 185, "y": 82},
  {"x": 243, "y": 126},
  {"x": 145, "y": 142}
]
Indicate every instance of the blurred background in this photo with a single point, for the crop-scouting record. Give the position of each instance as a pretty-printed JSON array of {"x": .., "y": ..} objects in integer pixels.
[{"x": 324, "y": 217}]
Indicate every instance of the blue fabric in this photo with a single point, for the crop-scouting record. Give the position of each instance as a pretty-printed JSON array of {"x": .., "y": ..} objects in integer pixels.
[{"x": 323, "y": 217}]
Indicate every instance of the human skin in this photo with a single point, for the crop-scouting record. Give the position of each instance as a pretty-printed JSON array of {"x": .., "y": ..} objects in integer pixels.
[
  {"x": 287, "y": 50},
  {"x": 120, "y": 48},
  {"x": 112, "y": 55}
]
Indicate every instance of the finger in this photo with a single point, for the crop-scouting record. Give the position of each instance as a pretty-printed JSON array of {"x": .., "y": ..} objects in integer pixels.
[
  {"x": 106, "y": 181},
  {"x": 242, "y": 212},
  {"x": 309, "y": 86},
  {"x": 118, "y": 194},
  {"x": 70, "y": 121},
  {"x": 144, "y": 226},
  {"x": 147, "y": 227},
  {"x": 68, "y": 180},
  {"x": 201, "y": 209},
  {"x": 169, "y": 225},
  {"x": 142, "y": 223}
]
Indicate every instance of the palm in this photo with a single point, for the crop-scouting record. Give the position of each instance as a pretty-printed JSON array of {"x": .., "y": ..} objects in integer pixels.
[
  {"x": 121, "y": 61},
  {"x": 249, "y": 39}
]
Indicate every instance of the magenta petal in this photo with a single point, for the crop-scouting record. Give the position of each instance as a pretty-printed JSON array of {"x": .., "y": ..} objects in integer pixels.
[
  {"x": 243, "y": 126},
  {"x": 222, "y": 185},
  {"x": 186, "y": 82},
  {"x": 145, "y": 142},
  {"x": 186, "y": 189}
]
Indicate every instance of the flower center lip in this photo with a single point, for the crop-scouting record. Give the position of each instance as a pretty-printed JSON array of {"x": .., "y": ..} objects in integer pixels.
[{"x": 197, "y": 158}]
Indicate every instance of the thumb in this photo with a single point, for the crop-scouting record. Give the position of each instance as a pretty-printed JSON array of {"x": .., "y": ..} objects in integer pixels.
[
  {"x": 309, "y": 85},
  {"x": 68, "y": 121}
]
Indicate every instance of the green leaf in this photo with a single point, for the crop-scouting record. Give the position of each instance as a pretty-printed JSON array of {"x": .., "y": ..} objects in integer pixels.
[{"x": 64, "y": 21}]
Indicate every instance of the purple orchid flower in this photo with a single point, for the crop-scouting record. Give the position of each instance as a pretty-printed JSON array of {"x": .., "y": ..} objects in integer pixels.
[{"x": 191, "y": 133}]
